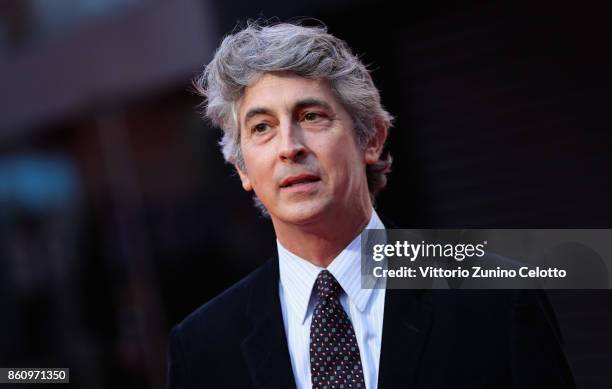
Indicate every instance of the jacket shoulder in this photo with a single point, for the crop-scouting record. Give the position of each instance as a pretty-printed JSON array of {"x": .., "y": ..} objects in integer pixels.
[
  {"x": 231, "y": 304},
  {"x": 207, "y": 341}
]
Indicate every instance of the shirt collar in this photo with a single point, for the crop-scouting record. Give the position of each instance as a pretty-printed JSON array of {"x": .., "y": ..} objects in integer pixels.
[{"x": 297, "y": 275}]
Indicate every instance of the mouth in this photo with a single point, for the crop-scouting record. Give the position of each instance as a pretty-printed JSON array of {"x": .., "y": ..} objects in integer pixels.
[{"x": 298, "y": 180}]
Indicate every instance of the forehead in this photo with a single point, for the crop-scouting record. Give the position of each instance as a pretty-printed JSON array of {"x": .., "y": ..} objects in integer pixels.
[{"x": 280, "y": 91}]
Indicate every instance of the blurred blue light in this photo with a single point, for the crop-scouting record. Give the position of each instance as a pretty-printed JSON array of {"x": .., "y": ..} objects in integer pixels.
[{"x": 38, "y": 183}]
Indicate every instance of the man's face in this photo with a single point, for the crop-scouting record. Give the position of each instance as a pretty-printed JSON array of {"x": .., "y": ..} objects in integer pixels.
[{"x": 300, "y": 151}]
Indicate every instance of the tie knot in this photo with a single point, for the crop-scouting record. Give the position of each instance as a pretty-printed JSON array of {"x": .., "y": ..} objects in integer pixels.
[{"x": 327, "y": 286}]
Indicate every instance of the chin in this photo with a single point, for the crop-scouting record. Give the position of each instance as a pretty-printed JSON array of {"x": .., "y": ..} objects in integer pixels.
[{"x": 304, "y": 213}]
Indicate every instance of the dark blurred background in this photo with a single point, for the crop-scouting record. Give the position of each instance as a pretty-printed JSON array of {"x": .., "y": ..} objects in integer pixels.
[{"x": 118, "y": 216}]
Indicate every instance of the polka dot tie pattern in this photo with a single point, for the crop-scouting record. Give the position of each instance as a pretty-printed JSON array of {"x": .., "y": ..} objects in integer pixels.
[{"x": 335, "y": 362}]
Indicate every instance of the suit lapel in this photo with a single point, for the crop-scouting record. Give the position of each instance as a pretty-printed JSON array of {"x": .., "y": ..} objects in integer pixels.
[
  {"x": 406, "y": 327},
  {"x": 265, "y": 348}
]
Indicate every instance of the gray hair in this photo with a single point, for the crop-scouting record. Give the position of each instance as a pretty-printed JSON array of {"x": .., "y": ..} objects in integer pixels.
[{"x": 310, "y": 52}]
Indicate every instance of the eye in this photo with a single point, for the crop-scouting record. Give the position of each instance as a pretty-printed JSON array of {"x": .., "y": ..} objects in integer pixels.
[
  {"x": 260, "y": 128},
  {"x": 311, "y": 116}
]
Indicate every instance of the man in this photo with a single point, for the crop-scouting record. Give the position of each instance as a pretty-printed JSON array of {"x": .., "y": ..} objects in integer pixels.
[{"x": 305, "y": 129}]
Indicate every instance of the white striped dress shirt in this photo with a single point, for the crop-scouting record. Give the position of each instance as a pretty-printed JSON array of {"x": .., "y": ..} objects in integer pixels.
[{"x": 364, "y": 307}]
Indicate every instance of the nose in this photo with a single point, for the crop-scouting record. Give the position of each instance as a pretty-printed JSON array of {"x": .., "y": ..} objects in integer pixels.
[{"x": 292, "y": 146}]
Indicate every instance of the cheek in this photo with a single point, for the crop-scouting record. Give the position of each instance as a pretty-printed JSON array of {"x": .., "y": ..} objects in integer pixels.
[
  {"x": 258, "y": 168},
  {"x": 352, "y": 165}
]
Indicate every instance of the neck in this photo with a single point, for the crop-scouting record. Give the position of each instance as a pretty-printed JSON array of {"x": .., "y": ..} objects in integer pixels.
[{"x": 321, "y": 242}]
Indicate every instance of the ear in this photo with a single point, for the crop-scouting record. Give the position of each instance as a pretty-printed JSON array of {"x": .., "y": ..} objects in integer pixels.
[
  {"x": 376, "y": 143},
  {"x": 246, "y": 182}
]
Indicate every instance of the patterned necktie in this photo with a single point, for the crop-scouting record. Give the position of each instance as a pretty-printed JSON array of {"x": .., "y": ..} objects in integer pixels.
[{"x": 334, "y": 355}]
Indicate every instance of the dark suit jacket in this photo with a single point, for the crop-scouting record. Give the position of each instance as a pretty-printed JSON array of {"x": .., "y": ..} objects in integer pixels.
[{"x": 431, "y": 339}]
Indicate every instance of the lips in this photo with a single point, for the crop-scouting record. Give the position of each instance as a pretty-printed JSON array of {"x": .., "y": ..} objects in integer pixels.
[{"x": 299, "y": 179}]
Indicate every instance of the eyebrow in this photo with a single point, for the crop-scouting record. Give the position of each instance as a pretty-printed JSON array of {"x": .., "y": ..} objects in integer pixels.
[
  {"x": 256, "y": 111},
  {"x": 312, "y": 102},
  {"x": 301, "y": 104}
]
